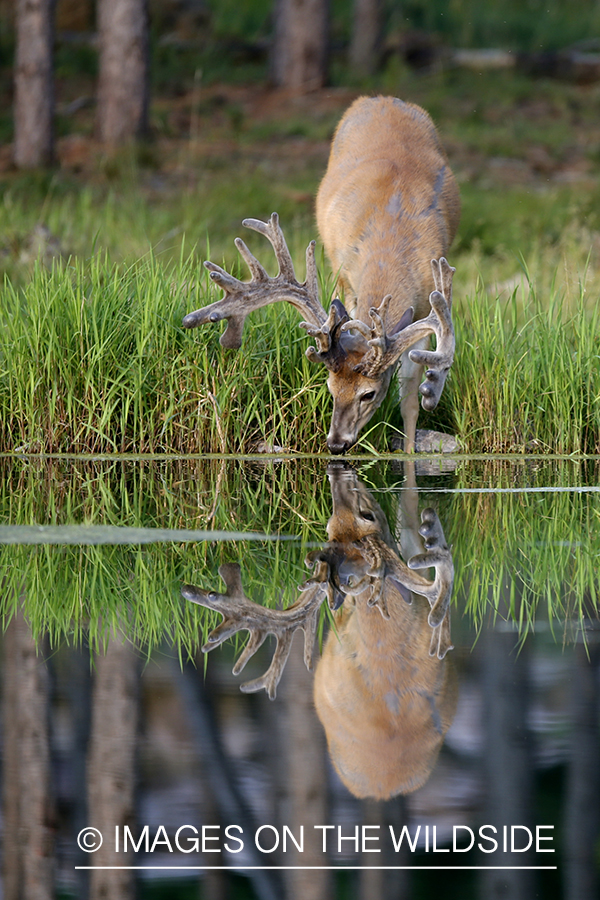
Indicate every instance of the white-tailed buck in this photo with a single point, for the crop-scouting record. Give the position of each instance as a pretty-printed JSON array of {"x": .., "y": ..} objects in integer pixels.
[
  {"x": 387, "y": 211},
  {"x": 384, "y": 690}
]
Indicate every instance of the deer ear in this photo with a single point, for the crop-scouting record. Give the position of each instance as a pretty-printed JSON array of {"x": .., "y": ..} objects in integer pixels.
[
  {"x": 337, "y": 600},
  {"x": 402, "y": 590},
  {"x": 405, "y": 321}
]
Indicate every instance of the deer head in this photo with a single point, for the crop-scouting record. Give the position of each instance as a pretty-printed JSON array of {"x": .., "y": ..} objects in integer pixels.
[{"x": 360, "y": 384}]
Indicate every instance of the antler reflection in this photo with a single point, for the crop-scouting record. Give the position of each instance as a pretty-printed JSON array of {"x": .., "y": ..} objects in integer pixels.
[{"x": 239, "y": 614}]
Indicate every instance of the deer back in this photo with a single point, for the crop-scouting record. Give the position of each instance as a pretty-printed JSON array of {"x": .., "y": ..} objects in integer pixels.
[
  {"x": 387, "y": 205},
  {"x": 385, "y": 703}
]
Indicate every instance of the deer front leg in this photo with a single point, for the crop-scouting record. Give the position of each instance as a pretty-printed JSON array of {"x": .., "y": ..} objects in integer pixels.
[{"x": 409, "y": 379}]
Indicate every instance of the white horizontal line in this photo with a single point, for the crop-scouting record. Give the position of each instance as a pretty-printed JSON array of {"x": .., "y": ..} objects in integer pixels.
[
  {"x": 307, "y": 868},
  {"x": 588, "y": 489},
  {"x": 120, "y": 534}
]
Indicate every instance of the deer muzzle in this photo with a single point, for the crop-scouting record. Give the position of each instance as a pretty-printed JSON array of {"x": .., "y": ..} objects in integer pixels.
[{"x": 337, "y": 446}]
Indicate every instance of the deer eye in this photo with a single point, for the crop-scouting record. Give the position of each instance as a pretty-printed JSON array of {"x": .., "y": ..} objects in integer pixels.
[{"x": 370, "y": 395}]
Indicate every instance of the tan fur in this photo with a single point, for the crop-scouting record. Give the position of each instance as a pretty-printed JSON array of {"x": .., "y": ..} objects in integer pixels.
[
  {"x": 387, "y": 205},
  {"x": 384, "y": 702}
]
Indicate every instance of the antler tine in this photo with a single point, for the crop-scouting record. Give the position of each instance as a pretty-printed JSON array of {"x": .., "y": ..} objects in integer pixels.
[
  {"x": 327, "y": 335},
  {"x": 441, "y": 642},
  {"x": 321, "y": 333},
  {"x": 380, "y": 560},
  {"x": 272, "y": 231},
  {"x": 386, "y": 566},
  {"x": 439, "y": 593},
  {"x": 386, "y": 347},
  {"x": 271, "y": 678},
  {"x": 438, "y": 361},
  {"x": 440, "y": 318},
  {"x": 323, "y": 576},
  {"x": 256, "y": 640},
  {"x": 243, "y": 297},
  {"x": 437, "y": 555},
  {"x": 378, "y": 598},
  {"x": 239, "y": 613},
  {"x": 375, "y": 335},
  {"x": 257, "y": 270},
  {"x": 312, "y": 275},
  {"x": 313, "y": 602},
  {"x": 443, "y": 273}
]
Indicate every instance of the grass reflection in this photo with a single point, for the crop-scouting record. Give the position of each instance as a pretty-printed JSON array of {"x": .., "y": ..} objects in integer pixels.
[{"x": 527, "y": 556}]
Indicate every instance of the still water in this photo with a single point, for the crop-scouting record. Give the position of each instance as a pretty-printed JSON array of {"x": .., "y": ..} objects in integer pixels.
[{"x": 445, "y": 737}]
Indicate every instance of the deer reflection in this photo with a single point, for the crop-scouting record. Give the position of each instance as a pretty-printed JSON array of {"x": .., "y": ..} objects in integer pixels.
[{"x": 384, "y": 689}]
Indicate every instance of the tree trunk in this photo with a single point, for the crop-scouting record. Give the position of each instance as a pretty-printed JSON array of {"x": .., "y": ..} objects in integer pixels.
[
  {"x": 304, "y": 777},
  {"x": 507, "y": 760},
  {"x": 123, "y": 80},
  {"x": 582, "y": 794},
  {"x": 28, "y": 869},
  {"x": 111, "y": 765},
  {"x": 34, "y": 86},
  {"x": 365, "y": 47},
  {"x": 299, "y": 58}
]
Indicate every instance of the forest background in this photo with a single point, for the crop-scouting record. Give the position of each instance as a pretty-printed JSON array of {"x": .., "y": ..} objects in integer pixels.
[{"x": 160, "y": 128}]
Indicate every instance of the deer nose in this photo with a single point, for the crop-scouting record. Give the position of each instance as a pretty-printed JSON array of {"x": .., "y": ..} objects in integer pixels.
[{"x": 337, "y": 447}]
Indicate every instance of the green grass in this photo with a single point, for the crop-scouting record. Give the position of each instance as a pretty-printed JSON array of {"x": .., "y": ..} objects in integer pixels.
[
  {"x": 92, "y": 356},
  {"x": 524, "y": 538},
  {"x": 529, "y": 558},
  {"x": 528, "y": 376},
  {"x": 93, "y": 359},
  {"x": 122, "y": 213},
  {"x": 72, "y": 591}
]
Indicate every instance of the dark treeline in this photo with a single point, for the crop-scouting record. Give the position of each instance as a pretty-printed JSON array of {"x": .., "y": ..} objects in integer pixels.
[{"x": 300, "y": 46}]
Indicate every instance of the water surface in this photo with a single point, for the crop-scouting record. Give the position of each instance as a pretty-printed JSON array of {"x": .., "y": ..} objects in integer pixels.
[{"x": 450, "y": 718}]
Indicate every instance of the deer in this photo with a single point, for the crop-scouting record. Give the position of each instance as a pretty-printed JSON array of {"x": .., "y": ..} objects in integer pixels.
[
  {"x": 383, "y": 688},
  {"x": 387, "y": 211}
]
